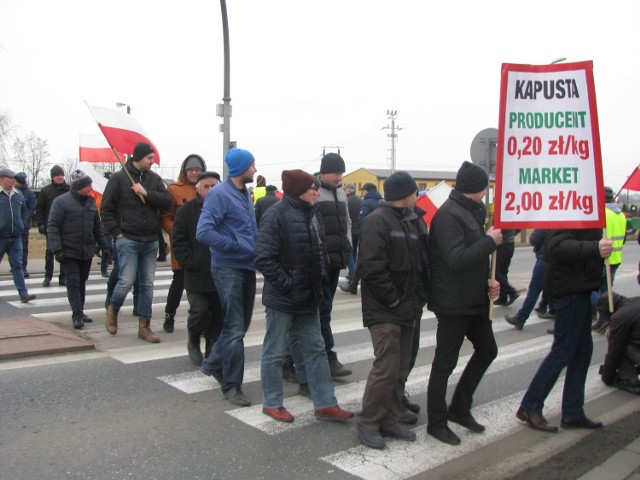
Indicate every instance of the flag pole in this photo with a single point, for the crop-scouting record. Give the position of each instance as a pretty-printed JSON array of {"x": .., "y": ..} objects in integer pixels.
[
  {"x": 493, "y": 279},
  {"x": 607, "y": 264},
  {"x": 115, "y": 152}
]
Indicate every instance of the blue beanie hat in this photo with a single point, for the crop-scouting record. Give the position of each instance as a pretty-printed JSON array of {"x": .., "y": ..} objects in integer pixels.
[{"x": 238, "y": 161}]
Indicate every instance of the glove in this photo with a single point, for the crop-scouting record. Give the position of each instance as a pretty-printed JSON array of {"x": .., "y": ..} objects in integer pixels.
[
  {"x": 59, "y": 256},
  {"x": 42, "y": 229}
]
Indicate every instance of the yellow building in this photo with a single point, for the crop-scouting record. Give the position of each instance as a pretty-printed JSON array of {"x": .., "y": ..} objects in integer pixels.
[{"x": 424, "y": 178}]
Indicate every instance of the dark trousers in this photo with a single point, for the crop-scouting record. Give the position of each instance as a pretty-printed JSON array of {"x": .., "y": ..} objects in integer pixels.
[
  {"x": 25, "y": 250},
  {"x": 77, "y": 273},
  {"x": 382, "y": 399},
  {"x": 48, "y": 265},
  {"x": 449, "y": 337},
  {"x": 205, "y": 314},
  {"x": 326, "y": 305},
  {"x": 174, "y": 296},
  {"x": 504, "y": 254}
]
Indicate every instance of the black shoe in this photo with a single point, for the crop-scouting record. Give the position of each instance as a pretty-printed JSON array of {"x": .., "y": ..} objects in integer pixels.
[
  {"x": 217, "y": 376},
  {"x": 337, "y": 369},
  {"x": 105, "y": 274},
  {"x": 513, "y": 320},
  {"x": 371, "y": 438},
  {"x": 25, "y": 274},
  {"x": 582, "y": 422},
  {"x": 348, "y": 288},
  {"x": 289, "y": 372},
  {"x": 169, "y": 320},
  {"x": 236, "y": 397},
  {"x": 540, "y": 310},
  {"x": 628, "y": 385},
  {"x": 444, "y": 434},
  {"x": 303, "y": 390},
  {"x": 193, "y": 348},
  {"x": 27, "y": 298},
  {"x": 550, "y": 331},
  {"x": 408, "y": 418},
  {"x": 467, "y": 421},
  {"x": 535, "y": 421},
  {"x": 162, "y": 258},
  {"x": 399, "y": 432},
  {"x": 86, "y": 319},
  {"x": 406, "y": 402},
  {"x": 512, "y": 298},
  {"x": 77, "y": 322},
  {"x": 62, "y": 282},
  {"x": 46, "y": 282},
  {"x": 500, "y": 301}
]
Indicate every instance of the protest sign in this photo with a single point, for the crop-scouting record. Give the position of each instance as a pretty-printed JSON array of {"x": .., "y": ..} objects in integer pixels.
[{"x": 549, "y": 165}]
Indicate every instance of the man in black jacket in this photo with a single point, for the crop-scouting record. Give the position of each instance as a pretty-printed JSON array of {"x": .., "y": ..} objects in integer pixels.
[
  {"x": 73, "y": 229},
  {"x": 623, "y": 355},
  {"x": 459, "y": 294},
  {"x": 392, "y": 264},
  {"x": 265, "y": 202},
  {"x": 130, "y": 213},
  {"x": 48, "y": 194},
  {"x": 205, "y": 311},
  {"x": 573, "y": 269}
]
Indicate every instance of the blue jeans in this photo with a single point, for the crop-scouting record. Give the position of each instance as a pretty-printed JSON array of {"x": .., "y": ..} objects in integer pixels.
[
  {"x": 536, "y": 284},
  {"x": 135, "y": 260},
  {"x": 326, "y": 305},
  {"x": 13, "y": 247},
  {"x": 237, "y": 291},
  {"x": 572, "y": 348},
  {"x": 304, "y": 329},
  {"x": 604, "y": 288}
]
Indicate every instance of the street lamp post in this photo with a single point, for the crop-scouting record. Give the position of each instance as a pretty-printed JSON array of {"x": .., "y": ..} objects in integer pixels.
[
  {"x": 224, "y": 110},
  {"x": 120, "y": 104}
]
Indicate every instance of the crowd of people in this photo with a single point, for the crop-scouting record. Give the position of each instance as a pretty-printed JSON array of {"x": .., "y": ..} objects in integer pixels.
[{"x": 300, "y": 240}]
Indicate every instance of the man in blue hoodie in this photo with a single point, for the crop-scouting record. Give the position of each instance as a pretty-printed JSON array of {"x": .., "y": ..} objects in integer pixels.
[{"x": 228, "y": 226}]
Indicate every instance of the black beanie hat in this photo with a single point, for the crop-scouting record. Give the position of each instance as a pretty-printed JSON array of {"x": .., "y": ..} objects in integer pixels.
[
  {"x": 471, "y": 178},
  {"x": 399, "y": 185},
  {"x": 296, "y": 182},
  {"x": 56, "y": 170},
  {"x": 21, "y": 178},
  {"x": 332, "y": 163},
  {"x": 141, "y": 150},
  {"x": 608, "y": 194},
  {"x": 202, "y": 175},
  {"x": 369, "y": 187},
  {"x": 79, "y": 180}
]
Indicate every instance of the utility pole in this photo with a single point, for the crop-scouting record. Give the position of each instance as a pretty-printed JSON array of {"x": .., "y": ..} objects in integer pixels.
[
  {"x": 324, "y": 149},
  {"x": 224, "y": 109},
  {"x": 391, "y": 156}
]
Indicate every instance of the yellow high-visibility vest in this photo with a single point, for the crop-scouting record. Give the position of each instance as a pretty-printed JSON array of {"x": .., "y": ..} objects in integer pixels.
[{"x": 616, "y": 229}]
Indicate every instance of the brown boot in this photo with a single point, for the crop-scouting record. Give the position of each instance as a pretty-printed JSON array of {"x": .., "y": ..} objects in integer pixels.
[
  {"x": 112, "y": 320},
  {"x": 144, "y": 332}
]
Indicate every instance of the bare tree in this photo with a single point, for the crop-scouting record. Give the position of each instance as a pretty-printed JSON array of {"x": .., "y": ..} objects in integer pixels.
[
  {"x": 31, "y": 154},
  {"x": 6, "y": 134},
  {"x": 69, "y": 166}
]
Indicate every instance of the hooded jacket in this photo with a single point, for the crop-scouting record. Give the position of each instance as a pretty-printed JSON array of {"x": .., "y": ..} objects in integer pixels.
[
  {"x": 624, "y": 329},
  {"x": 124, "y": 213},
  {"x": 181, "y": 192}
]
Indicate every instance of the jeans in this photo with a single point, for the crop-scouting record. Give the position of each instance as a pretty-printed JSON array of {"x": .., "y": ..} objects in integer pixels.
[
  {"x": 304, "y": 329},
  {"x": 604, "y": 288},
  {"x": 536, "y": 284},
  {"x": 25, "y": 250},
  {"x": 113, "y": 279},
  {"x": 174, "y": 296},
  {"x": 351, "y": 265},
  {"x": 572, "y": 347},
  {"x": 237, "y": 291},
  {"x": 135, "y": 260},
  {"x": 326, "y": 304},
  {"x": 449, "y": 337},
  {"x": 77, "y": 272},
  {"x": 13, "y": 247}
]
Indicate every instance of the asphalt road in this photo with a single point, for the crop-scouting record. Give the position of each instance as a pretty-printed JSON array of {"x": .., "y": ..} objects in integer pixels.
[{"x": 136, "y": 410}]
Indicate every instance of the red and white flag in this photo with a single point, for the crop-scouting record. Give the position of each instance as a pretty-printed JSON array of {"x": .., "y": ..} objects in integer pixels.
[
  {"x": 94, "y": 148},
  {"x": 633, "y": 182},
  {"x": 98, "y": 183},
  {"x": 122, "y": 131},
  {"x": 433, "y": 199}
]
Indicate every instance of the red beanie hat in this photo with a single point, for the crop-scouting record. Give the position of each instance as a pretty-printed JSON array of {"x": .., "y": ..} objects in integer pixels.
[{"x": 296, "y": 182}]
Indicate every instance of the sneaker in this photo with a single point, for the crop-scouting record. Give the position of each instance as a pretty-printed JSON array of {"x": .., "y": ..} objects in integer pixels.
[
  {"x": 26, "y": 298},
  {"x": 337, "y": 369},
  {"x": 289, "y": 372},
  {"x": 169, "y": 321},
  {"x": 513, "y": 320},
  {"x": 236, "y": 397},
  {"x": 334, "y": 414}
]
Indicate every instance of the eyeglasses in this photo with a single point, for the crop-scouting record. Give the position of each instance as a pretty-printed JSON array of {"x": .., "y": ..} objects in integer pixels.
[{"x": 313, "y": 188}]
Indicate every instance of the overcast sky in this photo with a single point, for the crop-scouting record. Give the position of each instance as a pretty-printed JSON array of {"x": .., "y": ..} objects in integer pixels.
[{"x": 309, "y": 74}]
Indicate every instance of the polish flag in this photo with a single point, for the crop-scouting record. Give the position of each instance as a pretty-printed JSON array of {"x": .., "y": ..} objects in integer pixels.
[
  {"x": 431, "y": 201},
  {"x": 94, "y": 148},
  {"x": 98, "y": 183},
  {"x": 633, "y": 182},
  {"x": 122, "y": 131}
]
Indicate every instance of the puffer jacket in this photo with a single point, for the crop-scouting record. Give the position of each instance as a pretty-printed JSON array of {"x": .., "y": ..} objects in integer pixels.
[
  {"x": 391, "y": 262},
  {"x": 459, "y": 252},
  {"x": 572, "y": 261},
  {"x": 13, "y": 213},
  {"x": 333, "y": 215},
  {"x": 624, "y": 329},
  {"x": 289, "y": 254},
  {"x": 74, "y": 226},
  {"x": 43, "y": 204},
  {"x": 124, "y": 213}
]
